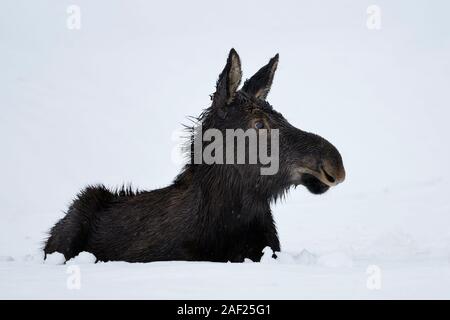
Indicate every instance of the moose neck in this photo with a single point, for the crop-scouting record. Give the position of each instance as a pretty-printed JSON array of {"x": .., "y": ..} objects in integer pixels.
[{"x": 222, "y": 190}]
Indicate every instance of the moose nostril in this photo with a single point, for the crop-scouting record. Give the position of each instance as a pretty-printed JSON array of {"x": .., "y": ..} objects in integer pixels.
[{"x": 328, "y": 176}]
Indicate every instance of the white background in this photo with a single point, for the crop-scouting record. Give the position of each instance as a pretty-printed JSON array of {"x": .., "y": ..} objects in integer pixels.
[{"x": 101, "y": 105}]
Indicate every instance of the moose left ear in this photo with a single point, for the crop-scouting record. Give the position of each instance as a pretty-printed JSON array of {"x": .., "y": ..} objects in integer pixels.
[
  {"x": 228, "y": 81},
  {"x": 259, "y": 85}
]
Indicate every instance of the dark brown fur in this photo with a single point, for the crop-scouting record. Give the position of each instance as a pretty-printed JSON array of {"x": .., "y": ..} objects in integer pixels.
[{"x": 210, "y": 212}]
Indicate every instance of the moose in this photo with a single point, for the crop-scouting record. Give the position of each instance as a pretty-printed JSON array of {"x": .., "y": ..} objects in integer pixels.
[{"x": 216, "y": 212}]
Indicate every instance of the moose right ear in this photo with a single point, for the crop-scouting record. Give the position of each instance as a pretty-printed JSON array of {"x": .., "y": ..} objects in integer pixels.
[
  {"x": 259, "y": 85},
  {"x": 228, "y": 81}
]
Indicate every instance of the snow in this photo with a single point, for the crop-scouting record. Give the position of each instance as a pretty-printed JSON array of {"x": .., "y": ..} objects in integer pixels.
[
  {"x": 55, "y": 259},
  {"x": 203, "y": 280},
  {"x": 83, "y": 258},
  {"x": 335, "y": 260},
  {"x": 6, "y": 258},
  {"x": 103, "y": 105}
]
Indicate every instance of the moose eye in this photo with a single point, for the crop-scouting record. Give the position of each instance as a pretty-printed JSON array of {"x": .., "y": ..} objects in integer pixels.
[{"x": 259, "y": 124}]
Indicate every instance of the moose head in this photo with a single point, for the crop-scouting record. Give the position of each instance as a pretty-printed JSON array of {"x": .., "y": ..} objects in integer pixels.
[{"x": 304, "y": 158}]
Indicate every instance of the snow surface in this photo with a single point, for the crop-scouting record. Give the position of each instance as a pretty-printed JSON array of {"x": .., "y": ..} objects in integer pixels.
[{"x": 103, "y": 104}]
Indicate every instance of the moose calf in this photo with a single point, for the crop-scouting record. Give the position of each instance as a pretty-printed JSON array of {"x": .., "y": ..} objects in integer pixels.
[{"x": 211, "y": 212}]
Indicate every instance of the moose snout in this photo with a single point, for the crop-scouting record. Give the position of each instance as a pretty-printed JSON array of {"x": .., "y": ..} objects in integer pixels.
[
  {"x": 332, "y": 173},
  {"x": 318, "y": 158}
]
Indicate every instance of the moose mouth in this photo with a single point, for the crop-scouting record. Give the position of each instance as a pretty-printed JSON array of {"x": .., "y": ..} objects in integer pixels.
[
  {"x": 313, "y": 184},
  {"x": 317, "y": 182}
]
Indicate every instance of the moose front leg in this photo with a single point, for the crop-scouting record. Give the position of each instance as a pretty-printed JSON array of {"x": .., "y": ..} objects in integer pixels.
[
  {"x": 255, "y": 239},
  {"x": 272, "y": 240}
]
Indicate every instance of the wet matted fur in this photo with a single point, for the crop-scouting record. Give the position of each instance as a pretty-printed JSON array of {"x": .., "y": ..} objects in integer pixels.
[{"x": 217, "y": 212}]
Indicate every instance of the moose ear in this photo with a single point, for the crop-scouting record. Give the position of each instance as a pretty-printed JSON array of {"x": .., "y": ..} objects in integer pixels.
[
  {"x": 228, "y": 81},
  {"x": 259, "y": 85}
]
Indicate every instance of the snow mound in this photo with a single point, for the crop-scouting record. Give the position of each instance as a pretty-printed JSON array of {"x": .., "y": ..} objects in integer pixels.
[
  {"x": 267, "y": 256},
  {"x": 306, "y": 258},
  {"x": 285, "y": 258},
  {"x": 83, "y": 258},
  {"x": 336, "y": 259},
  {"x": 55, "y": 258}
]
